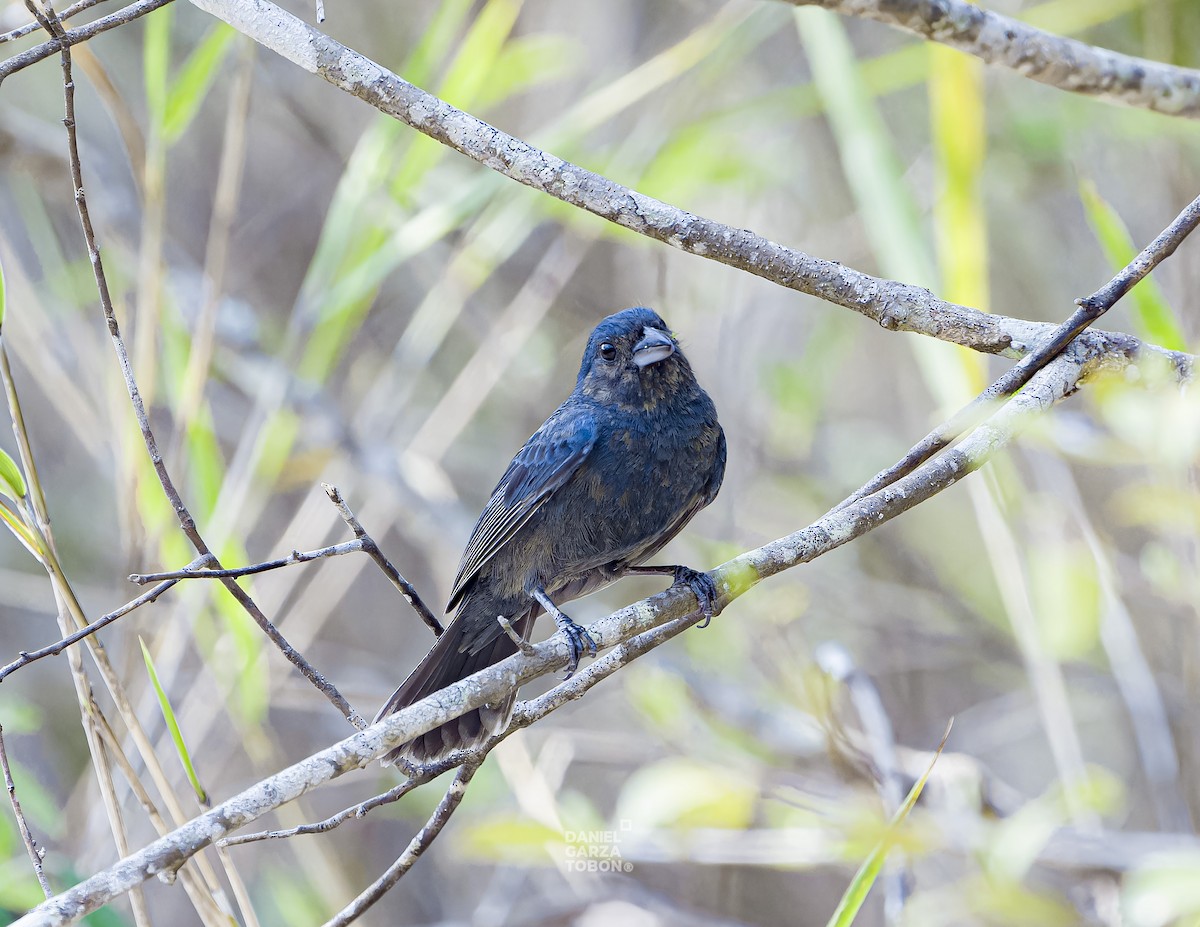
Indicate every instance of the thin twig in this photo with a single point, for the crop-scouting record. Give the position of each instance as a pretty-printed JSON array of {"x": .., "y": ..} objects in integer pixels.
[
  {"x": 1090, "y": 309},
  {"x": 79, "y": 34},
  {"x": 22, "y": 31},
  {"x": 29, "y": 656},
  {"x": 407, "y": 589},
  {"x": 296, "y": 556},
  {"x": 420, "y": 843},
  {"x": 186, "y": 522},
  {"x": 35, "y": 855},
  {"x": 354, "y": 811}
]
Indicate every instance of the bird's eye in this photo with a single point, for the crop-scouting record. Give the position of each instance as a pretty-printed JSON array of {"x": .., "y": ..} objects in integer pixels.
[{"x": 608, "y": 352}]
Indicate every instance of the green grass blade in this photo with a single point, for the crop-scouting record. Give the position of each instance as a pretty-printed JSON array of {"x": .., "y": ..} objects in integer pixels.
[
  {"x": 12, "y": 484},
  {"x": 173, "y": 726},
  {"x": 1153, "y": 317},
  {"x": 856, "y": 893},
  {"x": 194, "y": 80},
  {"x": 20, "y": 530}
]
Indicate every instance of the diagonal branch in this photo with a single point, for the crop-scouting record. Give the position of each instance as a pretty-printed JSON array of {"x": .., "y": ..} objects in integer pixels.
[
  {"x": 654, "y": 620},
  {"x": 893, "y": 305},
  {"x": 1089, "y": 310},
  {"x": 1067, "y": 64}
]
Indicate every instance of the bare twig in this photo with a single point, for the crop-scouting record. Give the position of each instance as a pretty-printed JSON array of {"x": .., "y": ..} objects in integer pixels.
[
  {"x": 1090, "y": 308},
  {"x": 79, "y": 34},
  {"x": 419, "y": 844},
  {"x": 35, "y": 855},
  {"x": 431, "y": 771},
  {"x": 407, "y": 589},
  {"x": 296, "y": 556},
  {"x": 895, "y": 306},
  {"x": 22, "y": 31},
  {"x": 186, "y": 522},
  {"x": 1067, "y": 64},
  {"x": 29, "y": 656}
]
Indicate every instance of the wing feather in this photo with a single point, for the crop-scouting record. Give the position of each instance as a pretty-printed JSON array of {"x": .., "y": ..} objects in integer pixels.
[{"x": 548, "y": 459}]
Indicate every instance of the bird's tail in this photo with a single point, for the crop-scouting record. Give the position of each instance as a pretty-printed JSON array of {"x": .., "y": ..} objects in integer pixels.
[{"x": 456, "y": 655}]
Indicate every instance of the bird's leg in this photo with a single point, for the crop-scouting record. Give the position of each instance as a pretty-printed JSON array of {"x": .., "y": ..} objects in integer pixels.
[
  {"x": 576, "y": 636},
  {"x": 700, "y": 583}
]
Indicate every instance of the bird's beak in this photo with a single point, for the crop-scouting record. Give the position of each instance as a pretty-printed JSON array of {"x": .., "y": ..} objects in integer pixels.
[{"x": 655, "y": 346}]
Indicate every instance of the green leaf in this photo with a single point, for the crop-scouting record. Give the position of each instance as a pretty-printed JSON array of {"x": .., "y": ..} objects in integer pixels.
[
  {"x": 19, "y": 528},
  {"x": 680, "y": 792},
  {"x": 12, "y": 484},
  {"x": 856, "y": 892},
  {"x": 192, "y": 84},
  {"x": 173, "y": 726},
  {"x": 1154, "y": 319}
]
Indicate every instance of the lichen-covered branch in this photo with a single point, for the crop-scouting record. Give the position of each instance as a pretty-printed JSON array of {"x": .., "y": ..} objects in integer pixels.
[
  {"x": 893, "y": 305},
  {"x": 1067, "y": 64},
  {"x": 733, "y": 579}
]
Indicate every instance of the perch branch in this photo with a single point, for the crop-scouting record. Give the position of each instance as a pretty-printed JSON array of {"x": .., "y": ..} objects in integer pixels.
[{"x": 660, "y": 617}]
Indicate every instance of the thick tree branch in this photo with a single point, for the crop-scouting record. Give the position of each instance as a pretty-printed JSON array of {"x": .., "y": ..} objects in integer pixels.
[
  {"x": 1067, "y": 64},
  {"x": 655, "y": 620},
  {"x": 896, "y": 306}
]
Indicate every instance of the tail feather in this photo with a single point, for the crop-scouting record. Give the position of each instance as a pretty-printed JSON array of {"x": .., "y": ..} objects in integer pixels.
[{"x": 451, "y": 659}]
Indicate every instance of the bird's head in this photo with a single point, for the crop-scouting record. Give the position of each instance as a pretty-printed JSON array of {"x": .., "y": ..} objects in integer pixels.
[{"x": 633, "y": 360}]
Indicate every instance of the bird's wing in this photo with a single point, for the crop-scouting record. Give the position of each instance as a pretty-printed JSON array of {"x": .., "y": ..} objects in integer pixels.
[{"x": 545, "y": 463}]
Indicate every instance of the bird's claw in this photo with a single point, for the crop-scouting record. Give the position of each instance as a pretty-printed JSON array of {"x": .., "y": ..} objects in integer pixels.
[
  {"x": 578, "y": 640},
  {"x": 702, "y": 587}
]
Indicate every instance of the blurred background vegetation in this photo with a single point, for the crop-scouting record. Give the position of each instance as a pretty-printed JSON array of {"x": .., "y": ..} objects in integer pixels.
[{"x": 312, "y": 292}]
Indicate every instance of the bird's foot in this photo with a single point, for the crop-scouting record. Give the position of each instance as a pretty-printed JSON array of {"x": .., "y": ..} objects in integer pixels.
[
  {"x": 702, "y": 587},
  {"x": 577, "y": 638}
]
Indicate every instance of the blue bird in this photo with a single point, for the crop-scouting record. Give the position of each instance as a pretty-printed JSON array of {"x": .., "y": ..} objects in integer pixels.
[{"x": 616, "y": 472}]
